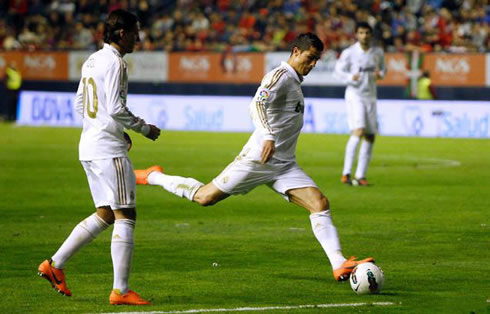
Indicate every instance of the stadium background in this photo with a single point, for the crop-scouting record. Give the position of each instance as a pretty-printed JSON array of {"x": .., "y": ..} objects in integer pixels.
[{"x": 224, "y": 47}]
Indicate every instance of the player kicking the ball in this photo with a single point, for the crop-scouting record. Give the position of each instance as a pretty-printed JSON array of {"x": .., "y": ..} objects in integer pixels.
[
  {"x": 101, "y": 100},
  {"x": 269, "y": 155}
]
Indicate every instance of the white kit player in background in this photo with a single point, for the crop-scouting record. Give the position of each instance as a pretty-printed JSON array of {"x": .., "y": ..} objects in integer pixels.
[
  {"x": 269, "y": 155},
  {"x": 360, "y": 66},
  {"x": 103, "y": 148}
]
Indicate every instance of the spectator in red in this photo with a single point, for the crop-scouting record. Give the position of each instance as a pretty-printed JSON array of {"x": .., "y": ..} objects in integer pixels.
[
  {"x": 217, "y": 23},
  {"x": 247, "y": 21}
]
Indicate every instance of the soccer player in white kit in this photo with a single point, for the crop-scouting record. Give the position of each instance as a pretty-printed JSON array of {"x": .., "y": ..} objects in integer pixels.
[
  {"x": 360, "y": 66},
  {"x": 101, "y": 100},
  {"x": 269, "y": 155}
]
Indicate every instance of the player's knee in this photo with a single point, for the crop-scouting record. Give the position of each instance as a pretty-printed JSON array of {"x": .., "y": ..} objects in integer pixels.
[
  {"x": 204, "y": 200},
  {"x": 207, "y": 202},
  {"x": 321, "y": 204},
  {"x": 108, "y": 220},
  {"x": 359, "y": 132},
  {"x": 125, "y": 213},
  {"x": 106, "y": 214}
]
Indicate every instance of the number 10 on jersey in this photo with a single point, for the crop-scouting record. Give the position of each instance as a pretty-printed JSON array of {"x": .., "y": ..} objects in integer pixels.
[{"x": 90, "y": 100}]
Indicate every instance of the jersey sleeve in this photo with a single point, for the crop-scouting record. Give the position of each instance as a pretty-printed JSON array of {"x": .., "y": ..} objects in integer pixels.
[
  {"x": 270, "y": 90},
  {"x": 116, "y": 100},
  {"x": 79, "y": 99},
  {"x": 381, "y": 63},
  {"x": 342, "y": 67}
]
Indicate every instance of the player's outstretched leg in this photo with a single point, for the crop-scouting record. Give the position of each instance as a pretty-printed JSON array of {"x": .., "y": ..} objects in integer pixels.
[
  {"x": 55, "y": 276},
  {"x": 326, "y": 233},
  {"x": 343, "y": 272},
  {"x": 180, "y": 186},
  {"x": 142, "y": 175},
  {"x": 324, "y": 230}
]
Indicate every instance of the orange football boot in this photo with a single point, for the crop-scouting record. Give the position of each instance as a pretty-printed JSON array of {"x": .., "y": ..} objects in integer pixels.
[
  {"x": 130, "y": 298},
  {"x": 345, "y": 179},
  {"x": 55, "y": 276},
  {"x": 343, "y": 272},
  {"x": 142, "y": 175}
]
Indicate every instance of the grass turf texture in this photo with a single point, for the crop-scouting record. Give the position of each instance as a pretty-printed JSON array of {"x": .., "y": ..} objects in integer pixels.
[{"x": 425, "y": 220}]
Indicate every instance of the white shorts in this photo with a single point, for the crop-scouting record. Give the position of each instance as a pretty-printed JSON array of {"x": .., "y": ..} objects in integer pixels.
[
  {"x": 112, "y": 182},
  {"x": 361, "y": 113},
  {"x": 241, "y": 176}
]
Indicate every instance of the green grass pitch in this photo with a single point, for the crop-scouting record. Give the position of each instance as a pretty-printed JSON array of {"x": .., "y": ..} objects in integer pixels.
[{"x": 425, "y": 219}]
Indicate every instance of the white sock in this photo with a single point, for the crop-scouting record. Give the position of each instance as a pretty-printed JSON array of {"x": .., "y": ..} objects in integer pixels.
[
  {"x": 82, "y": 234},
  {"x": 122, "y": 253},
  {"x": 180, "y": 186},
  {"x": 365, "y": 153},
  {"x": 326, "y": 233},
  {"x": 350, "y": 153}
]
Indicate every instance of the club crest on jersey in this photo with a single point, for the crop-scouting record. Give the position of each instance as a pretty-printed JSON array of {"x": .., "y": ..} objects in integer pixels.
[{"x": 263, "y": 95}]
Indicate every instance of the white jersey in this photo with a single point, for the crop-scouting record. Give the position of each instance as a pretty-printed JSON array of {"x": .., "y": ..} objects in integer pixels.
[
  {"x": 277, "y": 113},
  {"x": 354, "y": 60},
  {"x": 101, "y": 100}
]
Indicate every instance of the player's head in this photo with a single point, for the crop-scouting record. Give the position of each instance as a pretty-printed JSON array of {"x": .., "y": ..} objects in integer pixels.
[
  {"x": 122, "y": 28},
  {"x": 364, "y": 33},
  {"x": 305, "y": 52}
]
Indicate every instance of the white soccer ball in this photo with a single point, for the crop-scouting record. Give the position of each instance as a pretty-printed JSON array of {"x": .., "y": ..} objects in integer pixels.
[{"x": 367, "y": 278}]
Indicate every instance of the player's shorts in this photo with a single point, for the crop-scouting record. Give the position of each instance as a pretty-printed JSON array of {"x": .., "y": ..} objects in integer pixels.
[
  {"x": 361, "y": 113},
  {"x": 241, "y": 176},
  {"x": 112, "y": 182}
]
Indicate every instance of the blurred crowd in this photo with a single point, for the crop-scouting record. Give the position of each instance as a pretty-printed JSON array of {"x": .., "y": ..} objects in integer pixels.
[{"x": 249, "y": 25}]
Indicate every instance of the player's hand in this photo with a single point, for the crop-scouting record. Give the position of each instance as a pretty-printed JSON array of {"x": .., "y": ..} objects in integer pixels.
[
  {"x": 268, "y": 150},
  {"x": 128, "y": 141},
  {"x": 154, "y": 132},
  {"x": 378, "y": 75},
  {"x": 355, "y": 77}
]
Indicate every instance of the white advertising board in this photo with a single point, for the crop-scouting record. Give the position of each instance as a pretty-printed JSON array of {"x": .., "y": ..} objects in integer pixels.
[
  {"x": 468, "y": 119},
  {"x": 146, "y": 66}
]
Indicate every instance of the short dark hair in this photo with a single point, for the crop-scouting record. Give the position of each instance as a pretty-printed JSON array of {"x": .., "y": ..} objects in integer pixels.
[
  {"x": 117, "y": 20},
  {"x": 305, "y": 41},
  {"x": 364, "y": 25}
]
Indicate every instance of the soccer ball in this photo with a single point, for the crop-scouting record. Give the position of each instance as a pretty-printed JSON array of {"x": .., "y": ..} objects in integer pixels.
[{"x": 367, "y": 278}]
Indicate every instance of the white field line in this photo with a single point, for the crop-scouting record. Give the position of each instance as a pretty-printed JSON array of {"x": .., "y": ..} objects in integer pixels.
[
  {"x": 270, "y": 308},
  {"x": 429, "y": 162}
]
